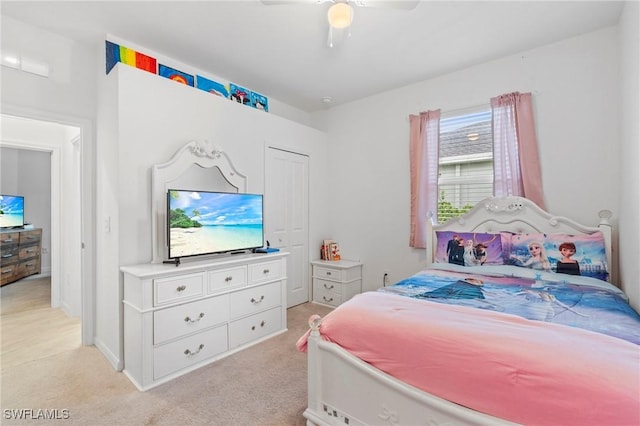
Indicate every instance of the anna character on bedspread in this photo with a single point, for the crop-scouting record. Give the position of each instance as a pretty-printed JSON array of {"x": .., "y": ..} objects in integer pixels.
[{"x": 566, "y": 265}]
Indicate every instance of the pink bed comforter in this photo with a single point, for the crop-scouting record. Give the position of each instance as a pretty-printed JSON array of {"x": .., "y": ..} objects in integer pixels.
[{"x": 525, "y": 371}]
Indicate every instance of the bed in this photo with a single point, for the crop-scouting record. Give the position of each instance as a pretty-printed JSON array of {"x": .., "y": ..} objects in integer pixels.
[{"x": 487, "y": 337}]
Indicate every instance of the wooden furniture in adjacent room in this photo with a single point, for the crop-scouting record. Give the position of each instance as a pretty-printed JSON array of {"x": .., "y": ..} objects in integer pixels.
[
  {"x": 177, "y": 319},
  {"x": 336, "y": 281},
  {"x": 20, "y": 254}
]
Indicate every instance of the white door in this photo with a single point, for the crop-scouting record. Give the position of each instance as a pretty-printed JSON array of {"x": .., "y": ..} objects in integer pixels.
[{"x": 287, "y": 217}]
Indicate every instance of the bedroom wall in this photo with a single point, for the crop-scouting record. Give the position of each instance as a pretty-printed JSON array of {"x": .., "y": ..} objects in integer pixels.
[
  {"x": 575, "y": 86},
  {"x": 630, "y": 152},
  {"x": 144, "y": 120}
]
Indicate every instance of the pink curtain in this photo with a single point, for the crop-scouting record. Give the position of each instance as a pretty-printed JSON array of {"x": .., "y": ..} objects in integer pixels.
[
  {"x": 515, "y": 148},
  {"x": 424, "y": 139}
]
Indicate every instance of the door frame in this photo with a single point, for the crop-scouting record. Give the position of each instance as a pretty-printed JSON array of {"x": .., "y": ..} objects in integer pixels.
[{"x": 85, "y": 176}]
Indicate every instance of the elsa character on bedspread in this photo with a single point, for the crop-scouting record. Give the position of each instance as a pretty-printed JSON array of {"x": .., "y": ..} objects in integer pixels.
[
  {"x": 469, "y": 255},
  {"x": 538, "y": 259}
]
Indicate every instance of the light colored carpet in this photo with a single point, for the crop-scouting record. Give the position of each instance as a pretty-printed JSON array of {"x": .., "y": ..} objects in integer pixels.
[{"x": 44, "y": 367}]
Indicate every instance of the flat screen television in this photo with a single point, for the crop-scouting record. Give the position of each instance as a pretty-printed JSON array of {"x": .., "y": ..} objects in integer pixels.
[
  {"x": 207, "y": 222},
  {"x": 11, "y": 211}
]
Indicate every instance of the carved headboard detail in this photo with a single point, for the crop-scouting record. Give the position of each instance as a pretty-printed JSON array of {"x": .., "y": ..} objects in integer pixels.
[{"x": 198, "y": 166}]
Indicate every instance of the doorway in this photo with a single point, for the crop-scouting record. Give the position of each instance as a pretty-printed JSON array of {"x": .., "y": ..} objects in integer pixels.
[
  {"x": 287, "y": 216},
  {"x": 62, "y": 139}
]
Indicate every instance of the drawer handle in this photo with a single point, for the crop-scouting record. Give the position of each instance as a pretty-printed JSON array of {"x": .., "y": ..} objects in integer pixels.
[
  {"x": 30, "y": 237},
  {"x": 328, "y": 287},
  {"x": 229, "y": 278},
  {"x": 262, "y": 324},
  {"x": 327, "y": 300},
  {"x": 255, "y": 302},
  {"x": 31, "y": 251},
  {"x": 266, "y": 271},
  {"x": 10, "y": 240},
  {"x": 28, "y": 265},
  {"x": 328, "y": 273},
  {"x": 181, "y": 288},
  {"x": 7, "y": 271},
  {"x": 188, "y": 352},
  {"x": 189, "y": 320}
]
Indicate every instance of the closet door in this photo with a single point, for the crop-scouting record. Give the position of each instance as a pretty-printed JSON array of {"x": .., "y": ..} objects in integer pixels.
[{"x": 287, "y": 216}]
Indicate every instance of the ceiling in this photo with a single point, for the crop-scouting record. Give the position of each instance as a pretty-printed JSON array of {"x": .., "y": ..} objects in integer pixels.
[{"x": 282, "y": 52}]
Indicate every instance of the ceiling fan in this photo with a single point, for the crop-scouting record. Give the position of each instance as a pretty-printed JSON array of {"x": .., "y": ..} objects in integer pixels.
[{"x": 340, "y": 13}]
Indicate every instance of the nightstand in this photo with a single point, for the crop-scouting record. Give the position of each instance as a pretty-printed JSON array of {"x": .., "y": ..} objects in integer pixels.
[{"x": 335, "y": 281}]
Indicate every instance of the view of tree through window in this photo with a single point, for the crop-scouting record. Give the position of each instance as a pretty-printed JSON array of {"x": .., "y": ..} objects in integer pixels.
[{"x": 465, "y": 174}]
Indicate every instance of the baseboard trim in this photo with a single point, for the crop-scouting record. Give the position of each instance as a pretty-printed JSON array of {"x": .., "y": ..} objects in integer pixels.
[{"x": 115, "y": 362}]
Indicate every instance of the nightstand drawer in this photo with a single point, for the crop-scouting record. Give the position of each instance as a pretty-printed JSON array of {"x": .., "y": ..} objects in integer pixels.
[
  {"x": 324, "y": 285},
  {"x": 321, "y": 295},
  {"x": 227, "y": 278},
  {"x": 178, "y": 288}
]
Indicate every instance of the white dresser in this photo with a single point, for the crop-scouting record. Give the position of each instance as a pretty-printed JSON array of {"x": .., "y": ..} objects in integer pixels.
[
  {"x": 177, "y": 319},
  {"x": 336, "y": 281}
]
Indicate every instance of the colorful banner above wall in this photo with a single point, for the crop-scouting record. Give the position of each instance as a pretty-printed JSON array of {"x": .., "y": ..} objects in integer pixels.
[{"x": 116, "y": 53}]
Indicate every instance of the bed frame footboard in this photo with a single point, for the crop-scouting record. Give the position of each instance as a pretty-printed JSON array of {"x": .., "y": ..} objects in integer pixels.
[{"x": 344, "y": 390}]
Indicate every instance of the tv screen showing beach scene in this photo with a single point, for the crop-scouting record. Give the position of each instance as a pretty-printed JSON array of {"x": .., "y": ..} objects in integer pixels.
[
  {"x": 203, "y": 222},
  {"x": 11, "y": 211}
]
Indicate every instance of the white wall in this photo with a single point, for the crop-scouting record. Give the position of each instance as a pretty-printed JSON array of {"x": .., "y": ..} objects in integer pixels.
[
  {"x": 629, "y": 159},
  {"x": 575, "y": 93},
  {"x": 145, "y": 121}
]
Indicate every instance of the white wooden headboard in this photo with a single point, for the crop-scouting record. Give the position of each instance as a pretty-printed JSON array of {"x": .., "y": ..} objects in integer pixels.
[
  {"x": 198, "y": 166},
  {"x": 518, "y": 215}
]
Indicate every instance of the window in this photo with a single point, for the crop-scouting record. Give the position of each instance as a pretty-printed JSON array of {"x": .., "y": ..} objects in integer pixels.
[{"x": 465, "y": 170}]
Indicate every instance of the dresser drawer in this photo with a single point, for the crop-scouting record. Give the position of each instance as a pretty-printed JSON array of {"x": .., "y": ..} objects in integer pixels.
[
  {"x": 255, "y": 299},
  {"x": 227, "y": 278},
  {"x": 8, "y": 272},
  {"x": 254, "y": 327},
  {"x": 175, "y": 289},
  {"x": 30, "y": 237},
  {"x": 29, "y": 267},
  {"x": 261, "y": 272},
  {"x": 322, "y": 295},
  {"x": 9, "y": 254},
  {"x": 191, "y": 350},
  {"x": 189, "y": 318},
  {"x": 9, "y": 238},
  {"x": 29, "y": 252}
]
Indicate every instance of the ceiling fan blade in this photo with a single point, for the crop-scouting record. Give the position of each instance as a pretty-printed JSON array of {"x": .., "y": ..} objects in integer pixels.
[{"x": 388, "y": 4}]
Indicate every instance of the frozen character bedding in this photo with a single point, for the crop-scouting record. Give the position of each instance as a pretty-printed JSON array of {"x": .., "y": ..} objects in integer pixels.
[
  {"x": 573, "y": 301},
  {"x": 497, "y": 341}
]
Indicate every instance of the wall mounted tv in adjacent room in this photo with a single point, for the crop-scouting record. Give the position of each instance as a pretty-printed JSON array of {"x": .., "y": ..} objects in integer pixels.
[
  {"x": 207, "y": 222},
  {"x": 11, "y": 211}
]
